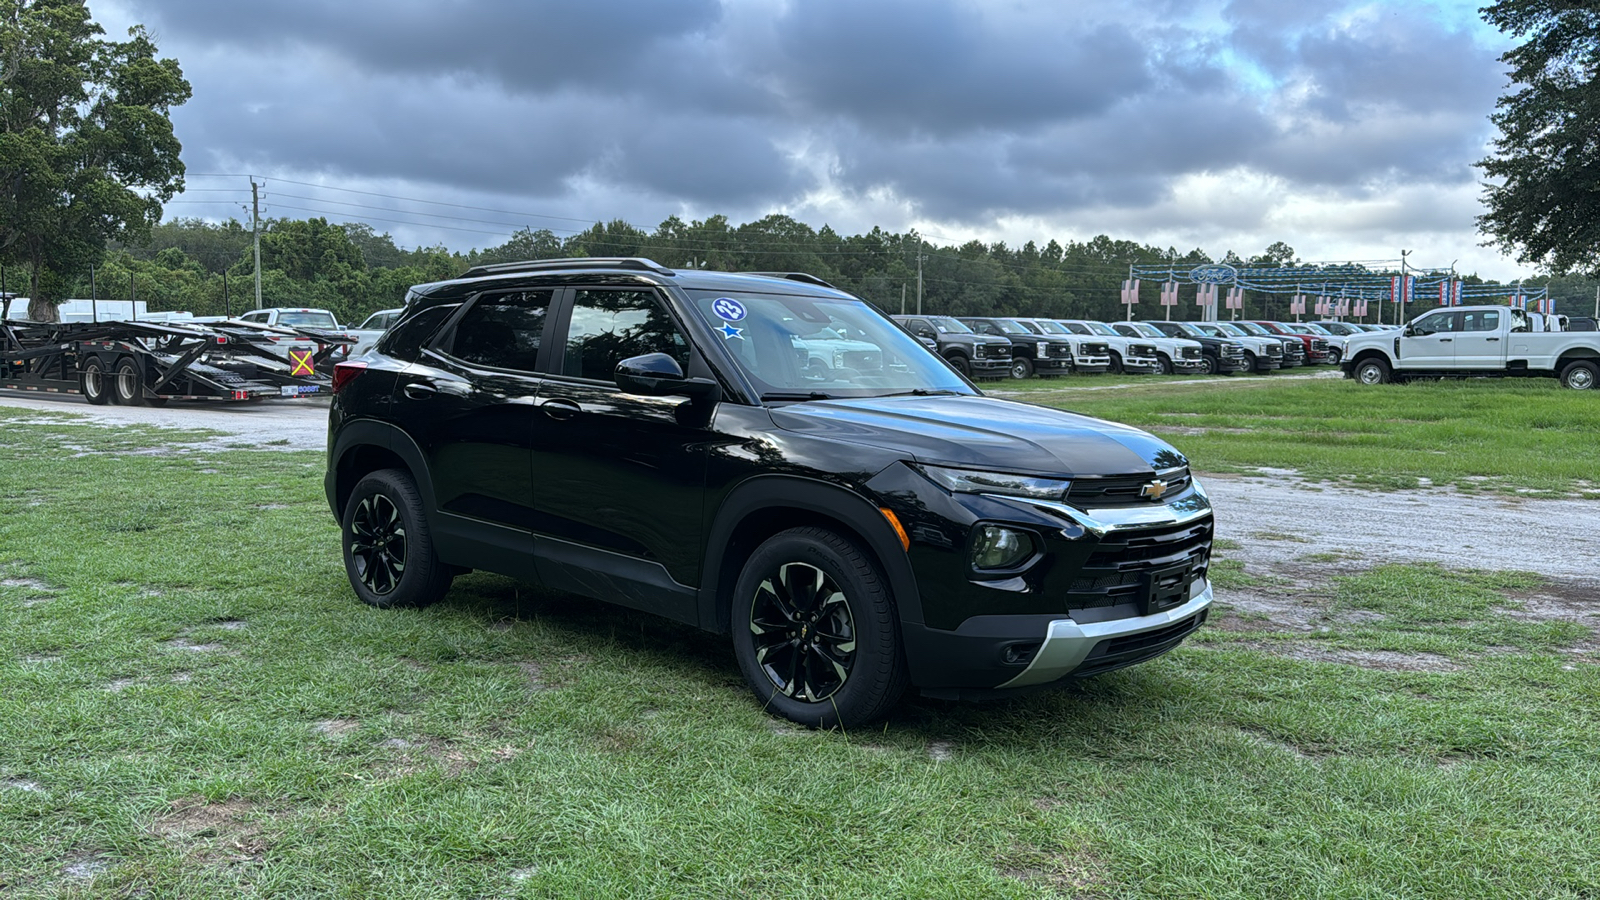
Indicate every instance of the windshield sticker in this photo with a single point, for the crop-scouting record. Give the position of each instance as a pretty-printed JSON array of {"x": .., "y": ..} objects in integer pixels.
[
  {"x": 729, "y": 332},
  {"x": 728, "y": 309}
]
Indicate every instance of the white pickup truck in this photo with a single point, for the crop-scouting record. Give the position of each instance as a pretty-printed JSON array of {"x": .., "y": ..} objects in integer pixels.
[{"x": 1478, "y": 341}]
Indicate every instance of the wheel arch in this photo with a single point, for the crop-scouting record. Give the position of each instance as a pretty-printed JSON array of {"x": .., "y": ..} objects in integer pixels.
[
  {"x": 364, "y": 447},
  {"x": 768, "y": 504},
  {"x": 1369, "y": 353},
  {"x": 1573, "y": 354}
]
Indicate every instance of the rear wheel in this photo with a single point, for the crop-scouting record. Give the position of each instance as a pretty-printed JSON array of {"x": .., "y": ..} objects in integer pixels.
[
  {"x": 388, "y": 551},
  {"x": 95, "y": 383},
  {"x": 815, "y": 631},
  {"x": 1021, "y": 368},
  {"x": 129, "y": 383},
  {"x": 1372, "y": 371},
  {"x": 1580, "y": 375}
]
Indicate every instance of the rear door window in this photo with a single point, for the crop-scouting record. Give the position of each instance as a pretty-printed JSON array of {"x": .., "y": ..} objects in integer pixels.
[{"x": 501, "y": 331}]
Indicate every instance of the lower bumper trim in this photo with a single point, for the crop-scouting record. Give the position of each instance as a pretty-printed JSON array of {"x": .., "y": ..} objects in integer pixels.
[{"x": 1067, "y": 645}]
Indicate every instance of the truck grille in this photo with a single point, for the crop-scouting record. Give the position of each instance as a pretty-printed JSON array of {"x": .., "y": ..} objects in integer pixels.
[
  {"x": 1141, "y": 350},
  {"x": 1119, "y": 490},
  {"x": 1094, "y": 349},
  {"x": 1119, "y": 570},
  {"x": 1318, "y": 345},
  {"x": 1060, "y": 351},
  {"x": 1233, "y": 351},
  {"x": 1275, "y": 350},
  {"x": 1191, "y": 353}
]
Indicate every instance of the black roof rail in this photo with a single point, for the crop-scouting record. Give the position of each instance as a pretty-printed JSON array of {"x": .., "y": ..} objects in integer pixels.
[
  {"x": 581, "y": 262},
  {"x": 805, "y": 277}
]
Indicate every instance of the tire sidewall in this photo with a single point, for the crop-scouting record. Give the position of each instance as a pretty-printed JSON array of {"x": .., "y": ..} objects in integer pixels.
[
  {"x": 1567, "y": 373},
  {"x": 960, "y": 363},
  {"x": 860, "y": 698},
  {"x": 1373, "y": 365},
  {"x": 134, "y": 382},
  {"x": 1021, "y": 368},
  {"x": 97, "y": 369}
]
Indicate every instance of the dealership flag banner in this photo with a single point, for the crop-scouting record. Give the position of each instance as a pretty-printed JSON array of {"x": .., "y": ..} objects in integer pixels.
[
  {"x": 1401, "y": 288},
  {"x": 1297, "y": 306},
  {"x": 1130, "y": 292},
  {"x": 1450, "y": 292},
  {"x": 1205, "y": 295},
  {"x": 1361, "y": 307},
  {"x": 1169, "y": 293},
  {"x": 1322, "y": 306},
  {"x": 1236, "y": 298},
  {"x": 1343, "y": 308}
]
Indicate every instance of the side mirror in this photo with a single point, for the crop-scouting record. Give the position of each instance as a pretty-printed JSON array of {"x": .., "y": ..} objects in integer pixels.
[
  {"x": 659, "y": 375},
  {"x": 1412, "y": 332}
]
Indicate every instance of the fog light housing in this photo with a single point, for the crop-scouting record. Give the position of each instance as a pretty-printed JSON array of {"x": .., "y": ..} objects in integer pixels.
[{"x": 998, "y": 547}]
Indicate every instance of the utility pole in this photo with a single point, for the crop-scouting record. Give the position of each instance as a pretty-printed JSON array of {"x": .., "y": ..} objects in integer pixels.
[
  {"x": 903, "y": 298},
  {"x": 255, "y": 233},
  {"x": 94, "y": 297},
  {"x": 1130, "y": 285},
  {"x": 920, "y": 258},
  {"x": 1399, "y": 301},
  {"x": 1597, "y": 302}
]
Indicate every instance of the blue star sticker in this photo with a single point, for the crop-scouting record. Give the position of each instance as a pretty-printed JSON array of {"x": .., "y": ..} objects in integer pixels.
[{"x": 729, "y": 332}]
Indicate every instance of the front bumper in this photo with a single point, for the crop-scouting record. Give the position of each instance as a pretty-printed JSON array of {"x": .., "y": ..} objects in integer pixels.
[
  {"x": 1188, "y": 365},
  {"x": 1071, "y": 648},
  {"x": 991, "y": 366},
  {"x": 1052, "y": 364},
  {"x": 1091, "y": 364},
  {"x": 1139, "y": 365}
]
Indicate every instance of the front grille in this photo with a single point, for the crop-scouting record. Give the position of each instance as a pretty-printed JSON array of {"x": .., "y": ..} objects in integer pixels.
[
  {"x": 1094, "y": 349},
  {"x": 1191, "y": 353},
  {"x": 1120, "y": 569},
  {"x": 1294, "y": 351},
  {"x": 1275, "y": 350},
  {"x": 1233, "y": 351},
  {"x": 1059, "y": 351},
  {"x": 1319, "y": 345},
  {"x": 1141, "y": 350},
  {"x": 1119, "y": 489}
]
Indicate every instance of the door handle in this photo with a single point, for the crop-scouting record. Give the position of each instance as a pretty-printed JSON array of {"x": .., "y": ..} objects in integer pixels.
[
  {"x": 420, "y": 390},
  {"x": 1491, "y": 339},
  {"x": 560, "y": 409},
  {"x": 1445, "y": 340}
]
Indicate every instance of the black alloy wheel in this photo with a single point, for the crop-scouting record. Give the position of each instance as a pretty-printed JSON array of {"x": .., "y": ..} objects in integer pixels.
[
  {"x": 1116, "y": 363},
  {"x": 388, "y": 552},
  {"x": 815, "y": 632},
  {"x": 1212, "y": 366},
  {"x": 129, "y": 383},
  {"x": 94, "y": 383}
]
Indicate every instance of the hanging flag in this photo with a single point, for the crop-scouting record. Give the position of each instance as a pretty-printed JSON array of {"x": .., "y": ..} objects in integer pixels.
[
  {"x": 1297, "y": 306},
  {"x": 1361, "y": 308},
  {"x": 1169, "y": 293},
  {"x": 1205, "y": 295},
  {"x": 1235, "y": 298},
  {"x": 1130, "y": 292}
]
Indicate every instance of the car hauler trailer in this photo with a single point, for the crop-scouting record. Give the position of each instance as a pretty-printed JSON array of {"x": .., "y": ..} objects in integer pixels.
[{"x": 139, "y": 363}]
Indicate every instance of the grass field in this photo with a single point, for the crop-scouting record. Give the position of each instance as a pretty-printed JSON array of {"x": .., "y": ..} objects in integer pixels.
[
  {"x": 1516, "y": 435},
  {"x": 192, "y": 704}
]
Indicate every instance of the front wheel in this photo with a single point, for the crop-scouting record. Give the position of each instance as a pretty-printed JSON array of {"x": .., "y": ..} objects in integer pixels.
[
  {"x": 1580, "y": 375},
  {"x": 1212, "y": 366},
  {"x": 815, "y": 631},
  {"x": 1372, "y": 371},
  {"x": 388, "y": 551},
  {"x": 1335, "y": 356},
  {"x": 1021, "y": 368},
  {"x": 1250, "y": 363},
  {"x": 1164, "y": 365},
  {"x": 1116, "y": 364},
  {"x": 961, "y": 364}
]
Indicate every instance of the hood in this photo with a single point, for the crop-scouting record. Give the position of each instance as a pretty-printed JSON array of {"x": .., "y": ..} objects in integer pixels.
[{"x": 984, "y": 433}]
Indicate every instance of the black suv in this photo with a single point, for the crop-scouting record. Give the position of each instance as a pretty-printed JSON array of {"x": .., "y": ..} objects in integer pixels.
[
  {"x": 666, "y": 441},
  {"x": 973, "y": 355}
]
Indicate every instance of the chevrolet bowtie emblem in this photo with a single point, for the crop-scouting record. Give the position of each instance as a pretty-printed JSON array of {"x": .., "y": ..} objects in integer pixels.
[{"x": 1154, "y": 490}]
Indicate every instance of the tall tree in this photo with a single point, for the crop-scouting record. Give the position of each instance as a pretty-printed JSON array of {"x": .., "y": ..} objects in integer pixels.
[
  {"x": 1544, "y": 196},
  {"x": 87, "y": 152}
]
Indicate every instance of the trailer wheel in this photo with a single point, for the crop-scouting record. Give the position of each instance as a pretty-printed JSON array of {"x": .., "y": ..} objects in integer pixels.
[
  {"x": 93, "y": 382},
  {"x": 388, "y": 550},
  {"x": 129, "y": 383}
]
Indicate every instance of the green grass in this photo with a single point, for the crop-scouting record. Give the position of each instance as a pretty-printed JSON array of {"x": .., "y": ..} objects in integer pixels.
[
  {"x": 1524, "y": 435},
  {"x": 192, "y": 704}
]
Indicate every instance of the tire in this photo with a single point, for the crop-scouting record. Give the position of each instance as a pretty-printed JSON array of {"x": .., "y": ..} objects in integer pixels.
[
  {"x": 1212, "y": 365},
  {"x": 1335, "y": 356},
  {"x": 795, "y": 585},
  {"x": 95, "y": 383},
  {"x": 383, "y": 512},
  {"x": 961, "y": 364},
  {"x": 1580, "y": 375},
  {"x": 1372, "y": 371},
  {"x": 1021, "y": 368},
  {"x": 1116, "y": 364},
  {"x": 128, "y": 385},
  {"x": 1250, "y": 363},
  {"x": 1163, "y": 364}
]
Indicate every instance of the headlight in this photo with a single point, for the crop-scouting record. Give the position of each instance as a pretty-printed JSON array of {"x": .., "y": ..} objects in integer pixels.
[
  {"x": 838, "y": 359},
  {"x": 968, "y": 481},
  {"x": 1039, "y": 349}
]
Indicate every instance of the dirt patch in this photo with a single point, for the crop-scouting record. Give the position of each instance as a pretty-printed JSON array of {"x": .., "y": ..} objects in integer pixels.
[
  {"x": 1071, "y": 873},
  {"x": 85, "y": 867},
  {"x": 214, "y": 832},
  {"x": 939, "y": 751},
  {"x": 423, "y": 753},
  {"x": 186, "y": 644},
  {"x": 1382, "y": 660},
  {"x": 31, "y": 584},
  {"x": 232, "y": 625},
  {"x": 336, "y": 727},
  {"x": 21, "y": 784}
]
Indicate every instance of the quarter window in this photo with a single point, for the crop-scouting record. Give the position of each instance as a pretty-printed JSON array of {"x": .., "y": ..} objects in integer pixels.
[
  {"x": 502, "y": 331},
  {"x": 608, "y": 327}
]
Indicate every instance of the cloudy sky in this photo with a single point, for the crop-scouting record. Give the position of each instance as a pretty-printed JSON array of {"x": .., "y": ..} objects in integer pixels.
[{"x": 1346, "y": 129}]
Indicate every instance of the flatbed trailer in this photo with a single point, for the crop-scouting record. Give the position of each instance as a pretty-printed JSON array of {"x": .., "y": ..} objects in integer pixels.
[{"x": 140, "y": 363}]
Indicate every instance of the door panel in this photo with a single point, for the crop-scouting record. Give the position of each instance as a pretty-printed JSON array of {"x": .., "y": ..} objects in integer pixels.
[
  {"x": 1433, "y": 342},
  {"x": 1480, "y": 344},
  {"x": 615, "y": 471}
]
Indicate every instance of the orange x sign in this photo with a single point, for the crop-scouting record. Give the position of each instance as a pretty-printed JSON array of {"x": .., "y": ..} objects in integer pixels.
[{"x": 301, "y": 360}]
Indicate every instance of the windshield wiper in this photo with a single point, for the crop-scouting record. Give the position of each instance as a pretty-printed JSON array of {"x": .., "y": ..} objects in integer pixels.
[
  {"x": 795, "y": 395},
  {"x": 922, "y": 392}
]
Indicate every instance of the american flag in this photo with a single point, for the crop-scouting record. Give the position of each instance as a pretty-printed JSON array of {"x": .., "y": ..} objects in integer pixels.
[
  {"x": 1236, "y": 298},
  {"x": 1169, "y": 293},
  {"x": 1130, "y": 292},
  {"x": 1297, "y": 306}
]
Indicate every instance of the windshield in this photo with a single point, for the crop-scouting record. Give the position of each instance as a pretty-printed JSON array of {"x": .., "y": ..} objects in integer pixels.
[
  {"x": 1309, "y": 328},
  {"x": 945, "y": 324},
  {"x": 379, "y": 321},
  {"x": 1149, "y": 331},
  {"x": 1229, "y": 329},
  {"x": 1010, "y": 327},
  {"x": 800, "y": 348},
  {"x": 1102, "y": 328},
  {"x": 1050, "y": 327},
  {"x": 1251, "y": 328},
  {"x": 307, "y": 320}
]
